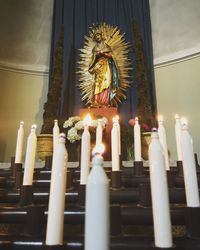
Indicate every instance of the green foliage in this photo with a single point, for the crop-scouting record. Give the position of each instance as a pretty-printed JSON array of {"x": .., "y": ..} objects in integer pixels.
[{"x": 127, "y": 140}]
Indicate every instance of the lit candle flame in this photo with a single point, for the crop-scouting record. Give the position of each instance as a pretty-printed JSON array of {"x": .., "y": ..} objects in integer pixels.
[
  {"x": 34, "y": 126},
  {"x": 98, "y": 149},
  {"x": 21, "y": 123},
  {"x": 114, "y": 119},
  {"x": 87, "y": 121},
  {"x": 176, "y": 116},
  {"x": 184, "y": 121}
]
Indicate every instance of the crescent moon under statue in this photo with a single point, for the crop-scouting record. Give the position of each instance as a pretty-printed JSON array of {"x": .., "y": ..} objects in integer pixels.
[{"x": 104, "y": 67}]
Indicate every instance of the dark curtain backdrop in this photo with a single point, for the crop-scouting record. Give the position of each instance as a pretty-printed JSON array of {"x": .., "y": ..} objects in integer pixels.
[{"x": 77, "y": 16}]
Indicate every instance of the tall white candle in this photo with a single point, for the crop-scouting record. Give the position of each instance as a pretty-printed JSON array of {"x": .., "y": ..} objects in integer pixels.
[
  {"x": 56, "y": 132},
  {"x": 189, "y": 169},
  {"x": 159, "y": 194},
  {"x": 19, "y": 144},
  {"x": 178, "y": 137},
  {"x": 97, "y": 228},
  {"x": 85, "y": 152},
  {"x": 163, "y": 141},
  {"x": 137, "y": 140},
  {"x": 99, "y": 133},
  {"x": 115, "y": 147},
  {"x": 30, "y": 157},
  {"x": 55, "y": 221},
  {"x": 119, "y": 134}
]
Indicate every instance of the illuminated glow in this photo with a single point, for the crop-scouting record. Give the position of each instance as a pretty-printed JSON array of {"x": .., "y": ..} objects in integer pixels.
[
  {"x": 176, "y": 116},
  {"x": 136, "y": 119},
  {"x": 184, "y": 121},
  {"x": 34, "y": 126},
  {"x": 87, "y": 120},
  {"x": 98, "y": 149},
  {"x": 21, "y": 123}
]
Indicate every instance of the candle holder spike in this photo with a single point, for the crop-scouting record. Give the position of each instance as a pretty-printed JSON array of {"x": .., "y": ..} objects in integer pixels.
[
  {"x": 18, "y": 175},
  {"x": 116, "y": 179},
  {"x": 12, "y": 162},
  {"x": 48, "y": 162}
]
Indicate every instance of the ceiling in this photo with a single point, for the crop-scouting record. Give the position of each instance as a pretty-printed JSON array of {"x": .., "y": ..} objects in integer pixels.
[
  {"x": 25, "y": 31},
  {"x": 175, "y": 29}
]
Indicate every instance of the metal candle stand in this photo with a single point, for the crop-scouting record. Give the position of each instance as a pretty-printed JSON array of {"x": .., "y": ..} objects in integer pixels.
[
  {"x": 18, "y": 175},
  {"x": 26, "y": 195},
  {"x": 48, "y": 162},
  {"x": 12, "y": 163},
  {"x": 116, "y": 179},
  {"x": 138, "y": 169}
]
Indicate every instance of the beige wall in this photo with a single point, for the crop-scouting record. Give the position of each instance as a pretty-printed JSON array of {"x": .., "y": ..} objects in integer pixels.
[
  {"x": 178, "y": 91},
  {"x": 25, "y": 31},
  {"x": 21, "y": 98}
]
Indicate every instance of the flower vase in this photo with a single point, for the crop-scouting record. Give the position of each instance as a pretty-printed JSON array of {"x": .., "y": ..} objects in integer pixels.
[
  {"x": 44, "y": 145},
  {"x": 145, "y": 142}
]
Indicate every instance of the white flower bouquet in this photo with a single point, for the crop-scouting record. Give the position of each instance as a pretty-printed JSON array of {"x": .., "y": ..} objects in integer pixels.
[{"x": 75, "y": 127}]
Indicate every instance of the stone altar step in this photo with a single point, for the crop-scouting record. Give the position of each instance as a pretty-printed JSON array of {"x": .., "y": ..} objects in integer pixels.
[
  {"x": 128, "y": 195},
  {"x": 122, "y": 242}
]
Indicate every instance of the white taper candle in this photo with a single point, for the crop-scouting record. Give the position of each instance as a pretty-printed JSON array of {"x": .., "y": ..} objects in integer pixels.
[
  {"x": 99, "y": 133},
  {"x": 85, "y": 156},
  {"x": 189, "y": 169},
  {"x": 163, "y": 141},
  {"x": 19, "y": 144},
  {"x": 137, "y": 140},
  {"x": 119, "y": 134},
  {"x": 115, "y": 147},
  {"x": 159, "y": 194},
  {"x": 55, "y": 221},
  {"x": 30, "y": 157},
  {"x": 97, "y": 228},
  {"x": 178, "y": 137},
  {"x": 56, "y": 132}
]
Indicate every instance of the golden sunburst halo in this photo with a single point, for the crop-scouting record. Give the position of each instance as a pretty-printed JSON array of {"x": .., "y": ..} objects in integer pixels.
[{"x": 115, "y": 40}]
